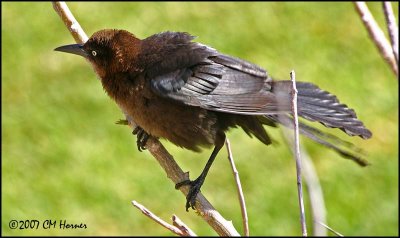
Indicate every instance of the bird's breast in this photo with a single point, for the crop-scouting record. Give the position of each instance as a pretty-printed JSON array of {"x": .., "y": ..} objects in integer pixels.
[{"x": 186, "y": 126}]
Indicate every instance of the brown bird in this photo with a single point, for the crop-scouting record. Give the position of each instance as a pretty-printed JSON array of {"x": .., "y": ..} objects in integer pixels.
[{"x": 190, "y": 94}]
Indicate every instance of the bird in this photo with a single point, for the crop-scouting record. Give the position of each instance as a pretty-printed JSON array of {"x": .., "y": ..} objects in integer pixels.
[{"x": 190, "y": 94}]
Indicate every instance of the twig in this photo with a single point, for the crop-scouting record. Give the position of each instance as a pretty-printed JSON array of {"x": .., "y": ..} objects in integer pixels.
[
  {"x": 203, "y": 206},
  {"x": 330, "y": 229},
  {"x": 174, "y": 172},
  {"x": 297, "y": 153},
  {"x": 239, "y": 189},
  {"x": 392, "y": 29},
  {"x": 182, "y": 226},
  {"x": 377, "y": 35},
  {"x": 318, "y": 210},
  {"x": 155, "y": 218},
  {"x": 70, "y": 22}
]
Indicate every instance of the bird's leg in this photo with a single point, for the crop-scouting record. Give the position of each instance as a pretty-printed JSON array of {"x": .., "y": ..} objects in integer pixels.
[
  {"x": 196, "y": 184},
  {"x": 142, "y": 138}
]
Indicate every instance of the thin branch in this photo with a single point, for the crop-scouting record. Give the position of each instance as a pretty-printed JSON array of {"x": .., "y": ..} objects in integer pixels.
[
  {"x": 392, "y": 29},
  {"x": 330, "y": 229},
  {"x": 173, "y": 171},
  {"x": 318, "y": 210},
  {"x": 155, "y": 218},
  {"x": 70, "y": 22},
  {"x": 203, "y": 206},
  {"x": 182, "y": 226},
  {"x": 377, "y": 35},
  {"x": 297, "y": 153},
  {"x": 242, "y": 202}
]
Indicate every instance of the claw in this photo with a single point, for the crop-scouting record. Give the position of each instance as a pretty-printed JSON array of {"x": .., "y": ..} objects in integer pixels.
[
  {"x": 136, "y": 130},
  {"x": 184, "y": 182},
  {"x": 142, "y": 138},
  {"x": 195, "y": 186}
]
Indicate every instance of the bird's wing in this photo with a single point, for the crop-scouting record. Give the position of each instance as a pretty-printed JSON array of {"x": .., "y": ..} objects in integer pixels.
[
  {"x": 197, "y": 75},
  {"x": 220, "y": 83}
]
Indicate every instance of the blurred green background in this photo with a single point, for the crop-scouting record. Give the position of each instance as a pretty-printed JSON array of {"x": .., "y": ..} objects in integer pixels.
[{"x": 64, "y": 158}]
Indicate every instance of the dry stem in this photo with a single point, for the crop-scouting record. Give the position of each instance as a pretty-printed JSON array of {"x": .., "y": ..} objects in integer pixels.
[
  {"x": 377, "y": 35},
  {"x": 297, "y": 154},
  {"x": 392, "y": 29},
  {"x": 242, "y": 202},
  {"x": 155, "y": 218},
  {"x": 182, "y": 226}
]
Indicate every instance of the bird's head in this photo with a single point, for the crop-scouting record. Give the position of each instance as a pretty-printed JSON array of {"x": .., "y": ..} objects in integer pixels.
[{"x": 109, "y": 51}]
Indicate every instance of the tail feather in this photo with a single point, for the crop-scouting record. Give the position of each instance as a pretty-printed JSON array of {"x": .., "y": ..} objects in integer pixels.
[
  {"x": 318, "y": 105},
  {"x": 315, "y": 104},
  {"x": 344, "y": 148}
]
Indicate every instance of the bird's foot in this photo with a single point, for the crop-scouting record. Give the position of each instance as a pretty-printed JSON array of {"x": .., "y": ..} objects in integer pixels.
[
  {"x": 195, "y": 186},
  {"x": 142, "y": 138}
]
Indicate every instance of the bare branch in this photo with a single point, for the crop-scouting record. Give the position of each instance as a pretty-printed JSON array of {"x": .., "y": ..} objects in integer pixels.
[
  {"x": 318, "y": 210},
  {"x": 239, "y": 189},
  {"x": 297, "y": 153},
  {"x": 203, "y": 206},
  {"x": 182, "y": 226},
  {"x": 392, "y": 29},
  {"x": 70, "y": 22},
  {"x": 174, "y": 172},
  {"x": 330, "y": 229},
  {"x": 155, "y": 218},
  {"x": 377, "y": 35}
]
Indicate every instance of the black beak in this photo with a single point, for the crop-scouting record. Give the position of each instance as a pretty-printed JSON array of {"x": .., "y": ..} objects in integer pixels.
[{"x": 73, "y": 49}]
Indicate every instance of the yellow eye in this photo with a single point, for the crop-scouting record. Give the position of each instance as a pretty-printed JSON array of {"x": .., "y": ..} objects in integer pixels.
[{"x": 94, "y": 53}]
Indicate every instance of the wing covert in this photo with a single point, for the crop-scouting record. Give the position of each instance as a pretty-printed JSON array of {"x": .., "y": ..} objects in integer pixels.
[{"x": 200, "y": 76}]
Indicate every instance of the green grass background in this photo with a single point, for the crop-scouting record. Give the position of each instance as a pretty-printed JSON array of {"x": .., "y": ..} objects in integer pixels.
[{"x": 64, "y": 158}]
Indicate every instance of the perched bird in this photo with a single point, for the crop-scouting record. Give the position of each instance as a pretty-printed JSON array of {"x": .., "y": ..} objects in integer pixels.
[{"x": 190, "y": 94}]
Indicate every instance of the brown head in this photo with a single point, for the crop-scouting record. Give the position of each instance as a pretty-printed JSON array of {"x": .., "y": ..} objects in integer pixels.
[{"x": 110, "y": 51}]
